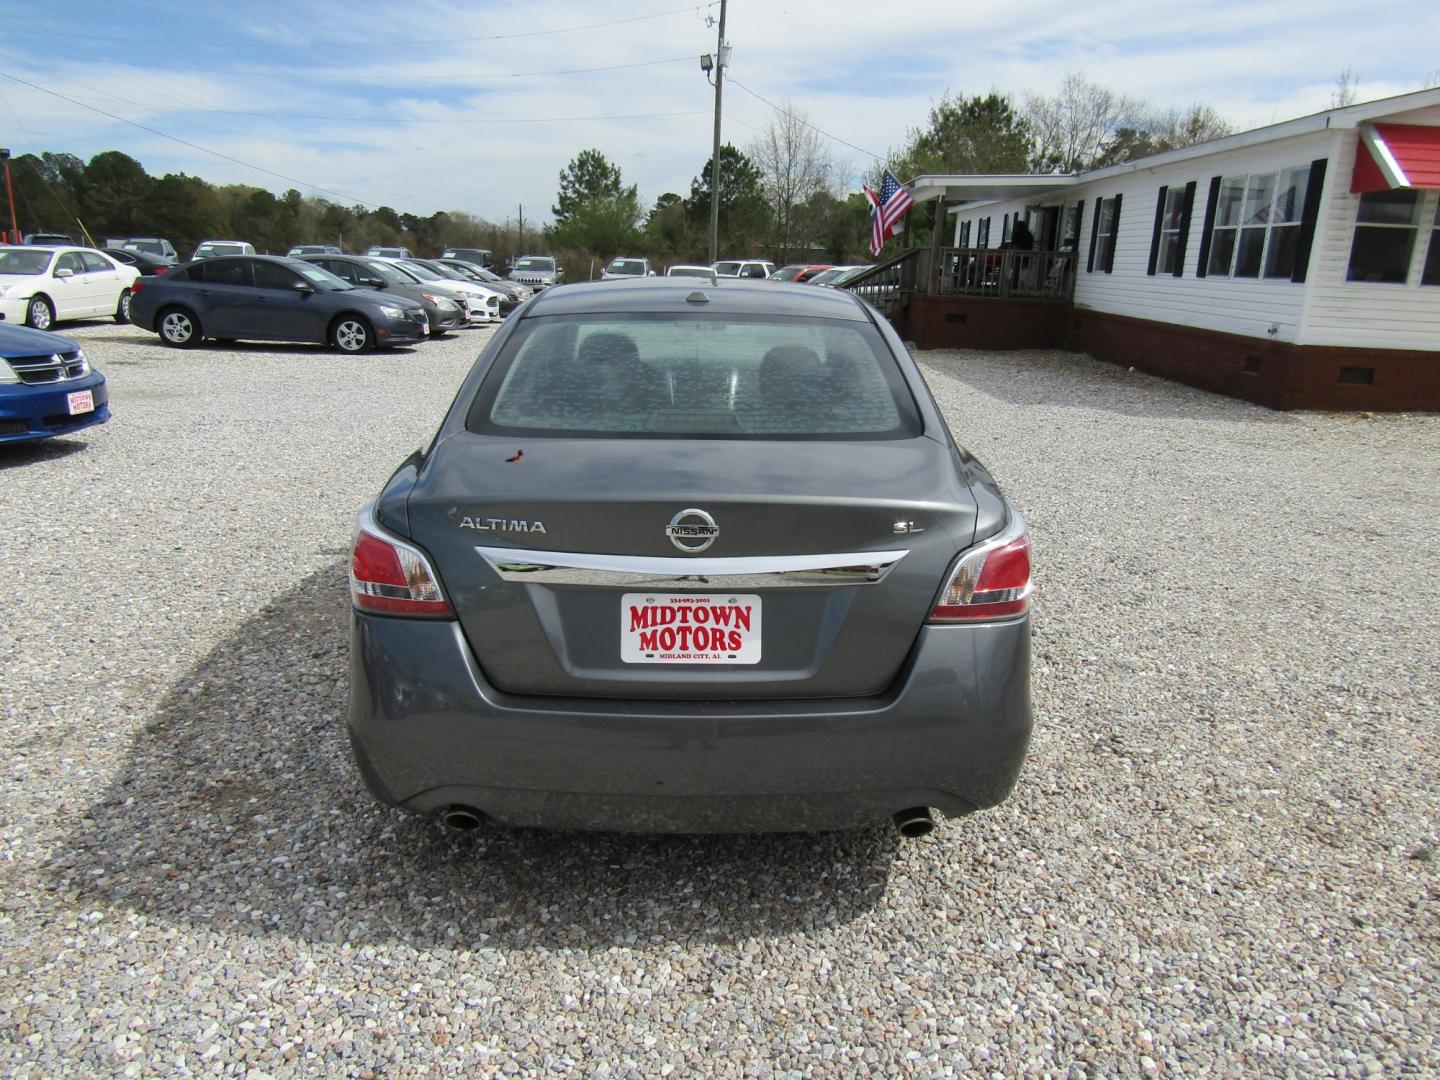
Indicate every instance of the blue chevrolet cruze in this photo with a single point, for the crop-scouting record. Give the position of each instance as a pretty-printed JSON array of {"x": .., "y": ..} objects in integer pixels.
[{"x": 47, "y": 386}]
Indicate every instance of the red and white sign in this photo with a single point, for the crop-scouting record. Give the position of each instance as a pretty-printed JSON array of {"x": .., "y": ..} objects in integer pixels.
[
  {"x": 690, "y": 628},
  {"x": 81, "y": 401}
]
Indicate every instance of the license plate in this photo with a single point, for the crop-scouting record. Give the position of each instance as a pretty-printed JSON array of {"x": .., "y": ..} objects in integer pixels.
[
  {"x": 690, "y": 628},
  {"x": 81, "y": 401}
]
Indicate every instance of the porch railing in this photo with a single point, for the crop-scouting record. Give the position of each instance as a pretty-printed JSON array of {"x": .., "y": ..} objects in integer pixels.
[
  {"x": 1007, "y": 272},
  {"x": 970, "y": 271},
  {"x": 891, "y": 281}
]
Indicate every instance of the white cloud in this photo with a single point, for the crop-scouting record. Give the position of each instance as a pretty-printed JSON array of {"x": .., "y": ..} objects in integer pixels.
[{"x": 863, "y": 79}]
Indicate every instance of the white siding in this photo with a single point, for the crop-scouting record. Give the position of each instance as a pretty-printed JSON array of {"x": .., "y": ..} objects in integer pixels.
[
  {"x": 1361, "y": 313},
  {"x": 1247, "y": 306}
]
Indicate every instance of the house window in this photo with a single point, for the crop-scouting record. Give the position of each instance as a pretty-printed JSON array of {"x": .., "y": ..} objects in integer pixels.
[
  {"x": 1105, "y": 236},
  {"x": 1385, "y": 228},
  {"x": 1172, "y": 222},
  {"x": 1257, "y": 225},
  {"x": 1431, "y": 274}
]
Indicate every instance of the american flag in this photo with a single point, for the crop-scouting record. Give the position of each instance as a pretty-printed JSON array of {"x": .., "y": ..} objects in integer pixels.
[{"x": 891, "y": 202}]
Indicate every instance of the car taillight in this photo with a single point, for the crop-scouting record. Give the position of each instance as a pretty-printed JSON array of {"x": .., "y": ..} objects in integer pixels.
[
  {"x": 990, "y": 581},
  {"x": 389, "y": 577},
  {"x": 139, "y": 284}
]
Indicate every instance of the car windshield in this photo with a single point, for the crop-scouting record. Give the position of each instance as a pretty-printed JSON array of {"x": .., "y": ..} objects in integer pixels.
[
  {"x": 690, "y": 271},
  {"x": 24, "y": 262},
  {"x": 424, "y": 273},
  {"x": 787, "y": 273},
  {"x": 739, "y": 377},
  {"x": 487, "y": 275},
  {"x": 388, "y": 272},
  {"x": 321, "y": 277},
  {"x": 727, "y": 269},
  {"x": 543, "y": 265},
  {"x": 627, "y": 266},
  {"x": 150, "y": 246},
  {"x": 455, "y": 273},
  {"x": 206, "y": 251},
  {"x": 853, "y": 273},
  {"x": 829, "y": 275}
]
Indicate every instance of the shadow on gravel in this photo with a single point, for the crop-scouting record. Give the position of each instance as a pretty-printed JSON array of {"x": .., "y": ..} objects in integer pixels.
[
  {"x": 1079, "y": 381},
  {"x": 18, "y": 455},
  {"x": 210, "y": 345},
  {"x": 238, "y": 811}
]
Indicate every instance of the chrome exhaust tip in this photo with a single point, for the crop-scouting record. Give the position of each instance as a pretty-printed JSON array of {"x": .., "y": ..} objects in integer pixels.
[
  {"x": 915, "y": 822},
  {"x": 461, "y": 818}
]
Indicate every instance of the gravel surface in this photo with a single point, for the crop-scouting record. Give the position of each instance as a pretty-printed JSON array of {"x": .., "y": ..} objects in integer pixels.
[{"x": 1221, "y": 856}]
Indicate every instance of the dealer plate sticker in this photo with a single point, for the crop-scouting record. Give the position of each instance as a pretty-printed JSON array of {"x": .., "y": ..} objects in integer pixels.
[
  {"x": 81, "y": 401},
  {"x": 690, "y": 628}
]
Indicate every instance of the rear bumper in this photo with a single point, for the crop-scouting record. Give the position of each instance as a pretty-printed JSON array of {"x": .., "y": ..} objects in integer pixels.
[
  {"x": 429, "y": 731},
  {"x": 38, "y": 412}
]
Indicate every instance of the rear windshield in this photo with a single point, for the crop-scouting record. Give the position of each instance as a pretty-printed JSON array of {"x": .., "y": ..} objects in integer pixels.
[{"x": 696, "y": 376}]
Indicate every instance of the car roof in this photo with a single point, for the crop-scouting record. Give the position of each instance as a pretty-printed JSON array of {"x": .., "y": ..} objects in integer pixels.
[{"x": 665, "y": 294}]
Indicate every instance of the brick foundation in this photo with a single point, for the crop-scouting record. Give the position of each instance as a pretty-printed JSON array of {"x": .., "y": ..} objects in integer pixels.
[
  {"x": 980, "y": 322},
  {"x": 1272, "y": 373}
]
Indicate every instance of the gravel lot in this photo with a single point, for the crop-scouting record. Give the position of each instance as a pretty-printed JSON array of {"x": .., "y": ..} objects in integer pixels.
[{"x": 1220, "y": 858}]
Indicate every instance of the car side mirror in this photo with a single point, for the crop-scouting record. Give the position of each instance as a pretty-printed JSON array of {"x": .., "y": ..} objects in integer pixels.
[
  {"x": 64, "y": 272},
  {"x": 303, "y": 287}
]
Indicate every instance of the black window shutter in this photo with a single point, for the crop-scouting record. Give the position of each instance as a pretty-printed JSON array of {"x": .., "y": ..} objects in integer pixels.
[
  {"x": 1094, "y": 236},
  {"x": 1155, "y": 235},
  {"x": 1313, "y": 191},
  {"x": 1203, "y": 267},
  {"x": 1185, "y": 209},
  {"x": 1114, "y": 236}
]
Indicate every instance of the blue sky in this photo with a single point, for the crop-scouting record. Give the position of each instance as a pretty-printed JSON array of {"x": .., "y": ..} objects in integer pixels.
[{"x": 436, "y": 104}]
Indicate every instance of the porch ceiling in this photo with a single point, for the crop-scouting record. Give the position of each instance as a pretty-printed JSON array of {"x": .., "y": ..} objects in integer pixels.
[{"x": 988, "y": 188}]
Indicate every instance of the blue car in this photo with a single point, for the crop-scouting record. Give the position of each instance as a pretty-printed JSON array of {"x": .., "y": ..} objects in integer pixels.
[{"x": 47, "y": 387}]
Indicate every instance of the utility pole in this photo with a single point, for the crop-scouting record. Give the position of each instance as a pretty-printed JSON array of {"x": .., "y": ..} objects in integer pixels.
[
  {"x": 520, "y": 242},
  {"x": 10, "y": 195},
  {"x": 722, "y": 56}
]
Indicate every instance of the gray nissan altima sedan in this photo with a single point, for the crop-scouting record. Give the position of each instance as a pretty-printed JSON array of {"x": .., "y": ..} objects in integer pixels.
[{"x": 691, "y": 557}]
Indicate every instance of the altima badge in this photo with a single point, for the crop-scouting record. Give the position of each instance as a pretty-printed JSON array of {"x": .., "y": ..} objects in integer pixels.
[
  {"x": 490, "y": 524},
  {"x": 692, "y": 530}
]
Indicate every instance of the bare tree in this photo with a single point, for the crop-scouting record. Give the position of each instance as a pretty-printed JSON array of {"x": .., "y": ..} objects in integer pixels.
[
  {"x": 1073, "y": 129},
  {"x": 797, "y": 165},
  {"x": 1344, "y": 92}
]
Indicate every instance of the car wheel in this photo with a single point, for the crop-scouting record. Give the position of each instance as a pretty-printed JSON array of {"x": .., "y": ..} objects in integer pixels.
[
  {"x": 178, "y": 328},
  {"x": 40, "y": 313},
  {"x": 352, "y": 334},
  {"x": 122, "y": 309}
]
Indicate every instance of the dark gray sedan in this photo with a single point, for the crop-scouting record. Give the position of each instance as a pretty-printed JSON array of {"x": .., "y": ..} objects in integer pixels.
[
  {"x": 688, "y": 557},
  {"x": 265, "y": 298},
  {"x": 444, "y": 309}
]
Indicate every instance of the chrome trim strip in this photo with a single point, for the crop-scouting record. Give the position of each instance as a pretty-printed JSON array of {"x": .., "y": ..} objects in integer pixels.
[{"x": 627, "y": 571}]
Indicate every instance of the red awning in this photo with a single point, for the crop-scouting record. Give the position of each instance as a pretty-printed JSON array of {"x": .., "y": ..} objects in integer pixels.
[{"x": 1396, "y": 156}]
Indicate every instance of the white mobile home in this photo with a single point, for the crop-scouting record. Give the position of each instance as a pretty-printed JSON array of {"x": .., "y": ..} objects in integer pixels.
[{"x": 1297, "y": 265}]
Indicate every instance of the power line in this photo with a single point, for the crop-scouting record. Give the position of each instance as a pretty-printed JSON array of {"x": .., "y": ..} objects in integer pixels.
[
  {"x": 798, "y": 120},
  {"x": 370, "y": 77},
  {"x": 371, "y": 44},
  {"x": 402, "y": 119},
  {"x": 186, "y": 142}
]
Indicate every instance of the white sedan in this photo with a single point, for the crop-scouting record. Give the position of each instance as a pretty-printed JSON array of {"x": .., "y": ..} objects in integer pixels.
[
  {"x": 41, "y": 286},
  {"x": 482, "y": 304}
]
